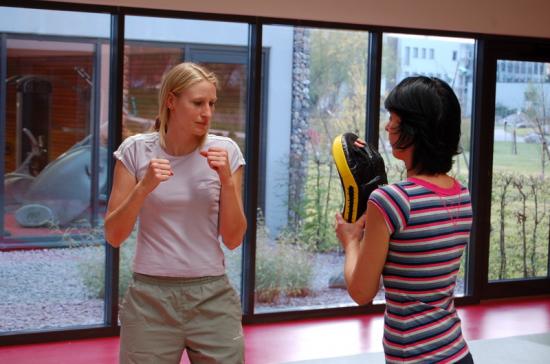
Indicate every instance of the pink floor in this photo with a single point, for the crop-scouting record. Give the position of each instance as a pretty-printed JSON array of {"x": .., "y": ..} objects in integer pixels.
[{"x": 311, "y": 339}]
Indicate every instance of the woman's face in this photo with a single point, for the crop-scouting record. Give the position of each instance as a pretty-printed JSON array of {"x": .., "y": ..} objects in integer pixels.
[
  {"x": 192, "y": 109},
  {"x": 392, "y": 127}
]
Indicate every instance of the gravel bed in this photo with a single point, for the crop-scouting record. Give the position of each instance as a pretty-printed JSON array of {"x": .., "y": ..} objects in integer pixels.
[{"x": 42, "y": 289}]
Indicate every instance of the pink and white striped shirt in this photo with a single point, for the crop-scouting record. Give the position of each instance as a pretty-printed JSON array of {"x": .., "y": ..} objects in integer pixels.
[{"x": 429, "y": 228}]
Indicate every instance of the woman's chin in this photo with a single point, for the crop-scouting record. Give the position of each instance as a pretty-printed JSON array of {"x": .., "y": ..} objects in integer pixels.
[{"x": 200, "y": 132}]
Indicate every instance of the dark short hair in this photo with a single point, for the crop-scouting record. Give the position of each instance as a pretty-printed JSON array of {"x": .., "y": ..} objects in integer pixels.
[{"x": 430, "y": 121}]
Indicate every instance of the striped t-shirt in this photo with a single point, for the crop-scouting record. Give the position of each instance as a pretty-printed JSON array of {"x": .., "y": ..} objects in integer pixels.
[{"x": 429, "y": 228}]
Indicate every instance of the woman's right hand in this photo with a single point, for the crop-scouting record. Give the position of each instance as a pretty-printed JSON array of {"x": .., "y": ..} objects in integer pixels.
[
  {"x": 349, "y": 233},
  {"x": 158, "y": 171}
]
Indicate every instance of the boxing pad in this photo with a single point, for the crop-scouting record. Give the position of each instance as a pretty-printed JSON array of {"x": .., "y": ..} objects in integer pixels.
[{"x": 361, "y": 171}]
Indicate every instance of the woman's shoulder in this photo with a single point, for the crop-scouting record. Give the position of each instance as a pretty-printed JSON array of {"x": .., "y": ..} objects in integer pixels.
[
  {"x": 220, "y": 141},
  {"x": 134, "y": 145},
  {"x": 397, "y": 192},
  {"x": 145, "y": 139},
  {"x": 400, "y": 186}
]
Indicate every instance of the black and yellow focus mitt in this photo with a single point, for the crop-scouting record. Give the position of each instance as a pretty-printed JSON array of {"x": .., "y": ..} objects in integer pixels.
[{"x": 361, "y": 171}]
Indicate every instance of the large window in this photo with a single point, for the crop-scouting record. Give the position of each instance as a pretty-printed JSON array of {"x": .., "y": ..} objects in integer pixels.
[
  {"x": 319, "y": 91},
  {"x": 54, "y": 168},
  {"x": 521, "y": 169},
  {"x": 450, "y": 60}
]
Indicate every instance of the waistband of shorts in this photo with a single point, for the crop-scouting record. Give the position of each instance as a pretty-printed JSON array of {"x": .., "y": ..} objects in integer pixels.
[{"x": 175, "y": 280}]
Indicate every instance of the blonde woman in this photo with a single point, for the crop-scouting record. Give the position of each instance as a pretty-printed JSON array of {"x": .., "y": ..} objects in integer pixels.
[{"x": 185, "y": 186}]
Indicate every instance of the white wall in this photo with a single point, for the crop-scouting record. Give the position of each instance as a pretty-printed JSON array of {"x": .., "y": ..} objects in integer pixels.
[
  {"x": 512, "y": 94},
  {"x": 31, "y": 21},
  {"x": 279, "y": 40},
  {"x": 177, "y": 30},
  {"x": 508, "y": 17}
]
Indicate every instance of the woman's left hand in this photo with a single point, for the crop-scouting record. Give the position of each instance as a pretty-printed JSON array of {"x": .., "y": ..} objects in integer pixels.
[
  {"x": 218, "y": 160},
  {"x": 349, "y": 233}
]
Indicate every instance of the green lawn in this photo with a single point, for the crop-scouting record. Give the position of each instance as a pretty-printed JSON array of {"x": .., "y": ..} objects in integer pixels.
[{"x": 526, "y": 161}]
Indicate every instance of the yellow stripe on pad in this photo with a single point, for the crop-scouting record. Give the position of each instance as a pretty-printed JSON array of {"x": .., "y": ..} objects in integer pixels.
[{"x": 346, "y": 177}]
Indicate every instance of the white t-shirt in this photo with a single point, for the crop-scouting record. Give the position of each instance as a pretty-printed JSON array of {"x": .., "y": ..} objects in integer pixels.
[{"x": 178, "y": 222}]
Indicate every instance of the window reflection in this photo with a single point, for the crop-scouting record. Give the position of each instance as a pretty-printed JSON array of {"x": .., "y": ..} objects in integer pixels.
[{"x": 54, "y": 169}]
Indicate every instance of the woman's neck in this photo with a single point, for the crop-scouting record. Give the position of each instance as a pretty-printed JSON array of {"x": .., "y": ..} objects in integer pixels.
[
  {"x": 180, "y": 143},
  {"x": 441, "y": 180}
]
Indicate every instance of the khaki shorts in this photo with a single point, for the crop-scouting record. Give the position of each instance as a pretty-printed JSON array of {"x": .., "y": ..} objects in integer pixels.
[{"x": 161, "y": 317}]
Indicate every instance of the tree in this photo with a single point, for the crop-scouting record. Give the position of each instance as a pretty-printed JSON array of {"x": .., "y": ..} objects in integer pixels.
[
  {"x": 390, "y": 62},
  {"x": 332, "y": 55},
  {"x": 537, "y": 110}
]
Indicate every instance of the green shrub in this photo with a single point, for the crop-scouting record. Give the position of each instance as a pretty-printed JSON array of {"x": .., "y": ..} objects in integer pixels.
[
  {"x": 282, "y": 267},
  {"x": 519, "y": 226},
  {"x": 92, "y": 270}
]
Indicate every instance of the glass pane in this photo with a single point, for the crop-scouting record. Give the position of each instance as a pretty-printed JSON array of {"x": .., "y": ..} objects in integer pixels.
[
  {"x": 316, "y": 90},
  {"x": 449, "y": 59},
  {"x": 521, "y": 186},
  {"x": 152, "y": 47},
  {"x": 52, "y": 259}
]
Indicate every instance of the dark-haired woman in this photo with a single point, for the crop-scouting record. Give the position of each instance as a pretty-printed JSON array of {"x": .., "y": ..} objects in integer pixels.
[{"x": 414, "y": 232}]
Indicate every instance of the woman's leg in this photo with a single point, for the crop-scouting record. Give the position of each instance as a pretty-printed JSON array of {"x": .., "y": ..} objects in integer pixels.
[
  {"x": 213, "y": 334},
  {"x": 151, "y": 330}
]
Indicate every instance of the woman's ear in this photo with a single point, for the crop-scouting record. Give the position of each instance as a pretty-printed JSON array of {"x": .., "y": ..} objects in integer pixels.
[{"x": 170, "y": 100}]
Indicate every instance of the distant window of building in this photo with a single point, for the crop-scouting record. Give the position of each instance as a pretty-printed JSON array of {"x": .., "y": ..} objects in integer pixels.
[
  {"x": 423, "y": 52},
  {"x": 407, "y": 55},
  {"x": 432, "y": 53},
  {"x": 455, "y": 54},
  {"x": 510, "y": 67},
  {"x": 415, "y": 52}
]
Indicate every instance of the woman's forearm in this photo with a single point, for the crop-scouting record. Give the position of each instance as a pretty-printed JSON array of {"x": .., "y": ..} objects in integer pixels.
[
  {"x": 120, "y": 222},
  {"x": 232, "y": 218},
  {"x": 358, "y": 287},
  {"x": 350, "y": 262}
]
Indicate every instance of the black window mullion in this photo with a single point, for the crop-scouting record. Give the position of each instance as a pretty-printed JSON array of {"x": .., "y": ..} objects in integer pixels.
[
  {"x": 3, "y": 88},
  {"x": 253, "y": 119},
  {"x": 374, "y": 70},
  {"x": 481, "y": 171},
  {"x": 94, "y": 131},
  {"x": 115, "y": 138}
]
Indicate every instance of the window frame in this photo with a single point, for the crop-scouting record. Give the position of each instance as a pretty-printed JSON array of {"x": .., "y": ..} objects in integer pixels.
[
  {"x": 487, "y": 49},
  {"x": 536, "y": 50}
]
